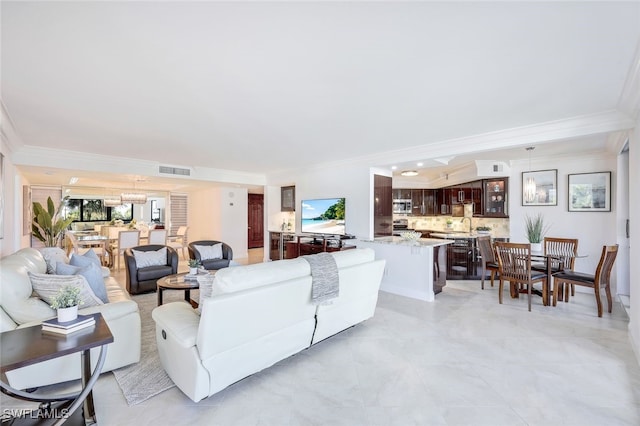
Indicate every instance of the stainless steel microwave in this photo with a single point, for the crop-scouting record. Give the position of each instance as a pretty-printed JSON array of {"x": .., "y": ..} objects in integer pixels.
[{"x": 402, "y": 206}]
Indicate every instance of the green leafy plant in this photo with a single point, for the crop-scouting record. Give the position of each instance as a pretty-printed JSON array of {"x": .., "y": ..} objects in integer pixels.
[
  {"x": 535, "y": 228},
  {"x": 483, "y": 228},
  {"x": 48, "y": 225},
  {"x": 449, "y": 221},
  {"x": 67, "y": 297},
  {"x": 194, "y": 263}
]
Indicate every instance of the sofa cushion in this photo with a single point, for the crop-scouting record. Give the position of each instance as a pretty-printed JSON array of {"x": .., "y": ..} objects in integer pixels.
[
  {"x": 150, "y": 258},
  {"x": 260, "y": 274},
  {"x": 47, "y": 286},
  {"x": 89, "y": 257},
  {"x": 53, "y": 255},
  {"x": 91, "y": 272},
  {"x": 209, "y": 252},
  {"x": 154, "y": 272},
  {"x": 206, "y": 287}
]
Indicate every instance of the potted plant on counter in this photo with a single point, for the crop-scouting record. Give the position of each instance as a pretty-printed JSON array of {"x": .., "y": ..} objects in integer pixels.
[
  {"x": 449, "y": 223},
  {"x": 483, "y": 230},
  {"x": 535, "y": 229},
  {"x": 66, "y": 303}
]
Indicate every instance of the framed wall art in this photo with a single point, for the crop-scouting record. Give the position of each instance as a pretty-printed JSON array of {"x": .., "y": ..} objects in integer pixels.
[
  {"x": 590, "y": 192},
  {"x": 539, "y": 188}
]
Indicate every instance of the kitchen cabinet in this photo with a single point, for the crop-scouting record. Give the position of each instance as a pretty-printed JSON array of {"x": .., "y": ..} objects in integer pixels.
[
  {"x": 383, "y": 204},
  {"x": 450, "y": 201},
  {"x": 495, "y": 197},
  {"x": 288, "y": 199}
]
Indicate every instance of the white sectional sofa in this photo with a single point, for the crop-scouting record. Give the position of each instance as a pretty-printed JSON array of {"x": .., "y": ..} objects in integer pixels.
[
  {"x": 20, "y": 308},
  {"x": 258, "y": 315}
]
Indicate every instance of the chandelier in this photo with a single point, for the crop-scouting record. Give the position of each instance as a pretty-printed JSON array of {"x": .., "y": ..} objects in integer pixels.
[
  {"x": 133, "y": 197},
  {"x": 112, "y": 202},
  {"x": 529, "y": 187}
]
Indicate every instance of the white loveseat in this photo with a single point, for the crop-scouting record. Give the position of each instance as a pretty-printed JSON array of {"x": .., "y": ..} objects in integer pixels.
[
  {"x": 268, "y": 318},
  {"x": 20, "y": 308}
]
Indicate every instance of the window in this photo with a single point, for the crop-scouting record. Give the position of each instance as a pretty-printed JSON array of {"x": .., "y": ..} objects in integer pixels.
[{"x": 93, "y": 210}]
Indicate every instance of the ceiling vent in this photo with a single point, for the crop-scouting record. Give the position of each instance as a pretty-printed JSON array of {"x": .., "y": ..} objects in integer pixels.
[
  {"x": 175, "y": 171},
  {"x": 497, "y": 167}
]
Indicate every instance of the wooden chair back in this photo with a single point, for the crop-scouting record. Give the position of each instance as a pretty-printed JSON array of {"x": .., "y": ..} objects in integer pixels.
[{"x": 567, "y": 247}]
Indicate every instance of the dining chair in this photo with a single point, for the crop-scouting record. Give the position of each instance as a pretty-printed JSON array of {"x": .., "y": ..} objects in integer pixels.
[
  {"x": 158, "y": 236},
  {"x": 567, "y": 250},
  {"x": 488, "y": 258},
  {"x": 126, "y": 239},
  {"x": 76, "y": 247},
  {"x": 601, "y": 279},
  {"x": 179, "y": 241},
  {"x": 514, "y": 260}
]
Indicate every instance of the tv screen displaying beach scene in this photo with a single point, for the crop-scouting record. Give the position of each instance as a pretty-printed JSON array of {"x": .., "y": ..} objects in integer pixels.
[{"x": 323, "y": 216}]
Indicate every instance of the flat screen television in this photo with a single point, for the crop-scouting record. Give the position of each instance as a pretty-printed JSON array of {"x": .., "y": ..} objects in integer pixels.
[{"x": 323, "y": 216}]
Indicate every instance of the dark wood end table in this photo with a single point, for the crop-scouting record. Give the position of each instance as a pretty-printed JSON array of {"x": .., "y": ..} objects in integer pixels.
[{"x": 26, "y": 346}]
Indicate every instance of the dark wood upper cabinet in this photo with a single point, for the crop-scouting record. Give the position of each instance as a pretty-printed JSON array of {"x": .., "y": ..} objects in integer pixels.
[
  {"x": 288, "y": 198},
  {"x": 383, "y": 206}
]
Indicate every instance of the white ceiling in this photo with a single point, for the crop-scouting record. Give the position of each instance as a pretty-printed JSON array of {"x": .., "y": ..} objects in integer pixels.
[{"x": 260, "y": 86}]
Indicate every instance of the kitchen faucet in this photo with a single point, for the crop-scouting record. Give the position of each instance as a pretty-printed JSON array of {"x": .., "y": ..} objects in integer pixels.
[{"x": 470, "y": 226}]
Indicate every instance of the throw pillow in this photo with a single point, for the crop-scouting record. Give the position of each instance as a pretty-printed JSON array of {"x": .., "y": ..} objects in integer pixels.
[
  {"x": 85, "y": 259},
  {"x": 53, "y": 255},
  {"x": 47, "y": 286},
  {"x": 150, "y": 258},
  {"x": 91, "y": 272},
  {"x": 209, "y": 252}
]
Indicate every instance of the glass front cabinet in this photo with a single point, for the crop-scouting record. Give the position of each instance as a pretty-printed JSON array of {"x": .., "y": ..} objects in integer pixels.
[{"x": 495, "y": 197}]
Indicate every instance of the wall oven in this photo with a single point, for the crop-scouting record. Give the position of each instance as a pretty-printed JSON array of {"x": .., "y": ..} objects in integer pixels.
[{"x": 402, "y": 206}]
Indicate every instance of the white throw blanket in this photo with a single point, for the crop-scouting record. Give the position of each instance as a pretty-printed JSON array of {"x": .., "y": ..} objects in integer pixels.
[{"x": 325, "y": 284}]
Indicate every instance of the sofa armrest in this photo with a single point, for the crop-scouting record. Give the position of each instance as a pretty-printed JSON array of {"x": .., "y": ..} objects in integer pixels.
[{"x": 179, "y": 321}]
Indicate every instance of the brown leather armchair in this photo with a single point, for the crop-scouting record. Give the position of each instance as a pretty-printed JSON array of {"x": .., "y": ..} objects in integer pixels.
[{"x": 144, "y": 280}]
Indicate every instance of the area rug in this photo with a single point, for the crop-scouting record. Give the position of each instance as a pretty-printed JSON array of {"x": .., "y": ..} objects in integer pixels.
[{"x": 147, "y": 378}]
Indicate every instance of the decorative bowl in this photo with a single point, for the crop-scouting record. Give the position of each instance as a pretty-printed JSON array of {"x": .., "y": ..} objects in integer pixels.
[{"x": 410, "y": 235}]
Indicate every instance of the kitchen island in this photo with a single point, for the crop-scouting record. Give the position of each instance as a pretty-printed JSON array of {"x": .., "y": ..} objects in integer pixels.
[{"x": 416, "y": 269}]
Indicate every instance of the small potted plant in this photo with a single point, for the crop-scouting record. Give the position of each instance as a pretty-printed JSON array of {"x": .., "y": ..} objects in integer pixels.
[
  {"x": 66, "y": 303},
  {"x": 194, "y": 264},
  {"x": 535, "y": 230},
  {"x": 483, "y": 229},
  {"x": 449, "y": 223}
]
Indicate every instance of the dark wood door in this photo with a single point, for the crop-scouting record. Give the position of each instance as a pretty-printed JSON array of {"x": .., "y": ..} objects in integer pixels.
[
  {"x": 255, "y": 232},
  {"x": 383, "y": 206}
]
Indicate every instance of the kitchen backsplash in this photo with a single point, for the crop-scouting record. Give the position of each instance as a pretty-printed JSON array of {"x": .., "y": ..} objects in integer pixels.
[{"x": 499, "y": 227}]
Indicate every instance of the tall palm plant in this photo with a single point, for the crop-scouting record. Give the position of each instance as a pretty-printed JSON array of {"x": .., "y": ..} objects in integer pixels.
[{"x": 48, "y": 225}]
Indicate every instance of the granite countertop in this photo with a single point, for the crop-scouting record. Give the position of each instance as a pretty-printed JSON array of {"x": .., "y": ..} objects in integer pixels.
[{"x": 422, "y": 242}]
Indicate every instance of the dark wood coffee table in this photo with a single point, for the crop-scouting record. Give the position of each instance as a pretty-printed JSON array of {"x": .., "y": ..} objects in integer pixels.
[
  {"x": 178, "y": 282},
  {"x": 26, "y": 346}
]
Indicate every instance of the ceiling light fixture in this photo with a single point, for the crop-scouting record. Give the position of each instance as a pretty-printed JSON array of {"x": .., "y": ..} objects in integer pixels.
[
  {"x": 529, "y": 187},
  {"x": 409, "y": 173},
  {"x": 133, "y": 197},
  {"x": 112, "y": 202},
  {"x": 73, "y": 180}
]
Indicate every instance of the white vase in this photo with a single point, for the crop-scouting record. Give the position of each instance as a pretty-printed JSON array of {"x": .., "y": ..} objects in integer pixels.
[
  {"x": 67, "y": 314},
  {"x": 536, "y": 247},
  {"x": 193, "y": 271}
]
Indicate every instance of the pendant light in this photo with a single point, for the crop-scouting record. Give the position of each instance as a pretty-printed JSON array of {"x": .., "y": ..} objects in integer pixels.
[{"x": 529, "y": 187}]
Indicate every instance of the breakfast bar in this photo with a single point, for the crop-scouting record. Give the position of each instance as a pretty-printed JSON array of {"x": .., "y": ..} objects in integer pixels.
[{"x": 415, "y": 268}]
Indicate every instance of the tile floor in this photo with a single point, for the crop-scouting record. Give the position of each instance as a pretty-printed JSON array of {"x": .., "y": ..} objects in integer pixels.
[{"x": 462, "y": 360}]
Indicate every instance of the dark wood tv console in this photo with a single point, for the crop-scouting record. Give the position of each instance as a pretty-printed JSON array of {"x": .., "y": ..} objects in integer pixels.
[{"x": 305, "y": 244}]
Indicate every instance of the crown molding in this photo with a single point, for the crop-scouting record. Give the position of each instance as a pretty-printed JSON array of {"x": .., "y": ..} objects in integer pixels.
[
  {"x": 8, "y": 130},
  {"x": 629, "y": 101}
]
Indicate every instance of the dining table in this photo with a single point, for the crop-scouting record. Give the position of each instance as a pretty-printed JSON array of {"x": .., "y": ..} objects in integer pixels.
[
  {"x": 551, "y": 264},
  {"x": 88, "y": 241}
]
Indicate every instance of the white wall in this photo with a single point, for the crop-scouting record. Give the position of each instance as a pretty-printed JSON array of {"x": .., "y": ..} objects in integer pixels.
[
  {"x": 593, "y": 229},
  {"x": 353, "y": 182},
  {"x": 220, "y": 214},
  {"x": 634, "y": 251}
]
